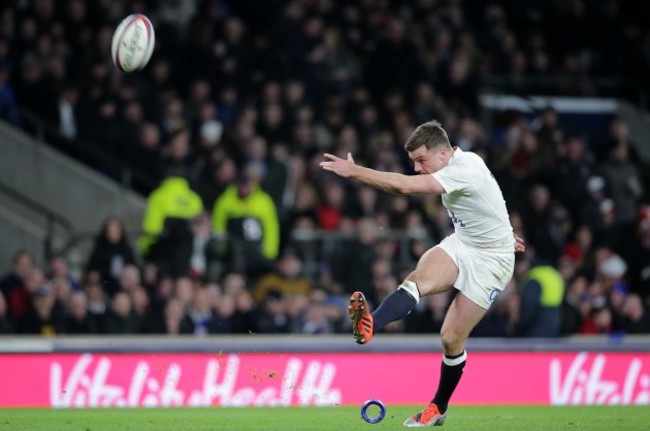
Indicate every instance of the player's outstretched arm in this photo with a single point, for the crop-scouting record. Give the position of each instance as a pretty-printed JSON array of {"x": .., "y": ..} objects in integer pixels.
[{"x": 387, "y": 181}]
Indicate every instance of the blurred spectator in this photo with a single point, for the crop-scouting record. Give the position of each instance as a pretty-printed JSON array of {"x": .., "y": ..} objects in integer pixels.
[
  {"x": 590, "y": 213},
  {"x": 235, "y": 283},
  {"x": 216, "y": 177},
  {"x": 330, "y": 211},
  {"x": 175, "y": 321},
  {"x": 365, "y": 204},
  {"x": 111, "y": 252},
  {"x": 45, "y": 317},
  {"x": 315, "y": 320},
  {"x": 6, "y": 325},
  {"x": 339, "y": 67},
  {"x": 204, "y": 262},
  {"x": 623, "y": 182},
  {"x": 224, "y": 314},
  {"x": 608, "y": 232},
  {"x": 184, "y": 290},
  {"x": 144, "y": 155},
  {"x": 61, "y": 289},
  {"x": 304, "y": 208},
  {"x": 619, "y": 134},
  {"x": 575, "y": 306},
  {"x": 14, "y": 284},
  {"x": 279, "y": 179},
  {"x": 200, "y": 315},
  {"x": 598, "y": 321},
  {"x": 33, "y": 282},
  {"x": 66, "y": 112},
  {"x": 173, "y": 120},
  {"x": 271, "y": 317},
  {"x": 178, "y": 156},
  {"x": 636, "y": 251},
  {"x": 549, "y": 136},
  {"x": 167, "y": 238},
  {"x": 635, "y": 318},
  {"x": 394, "y": 62},
  {"x": 159, "y": 296},
  {"x": 459, "y": 84},
  {"x": 244, "y": 317},
  {"x": 598, "y": 316},
  {"x": 131, "y": 118},
  {"x": 60, "y": 268},
  {"x": 610, "y": 267},
  {"x": 573, "y": 170},
  {"x": 104, "y": 127},
  {"x": 141, "y": 309},
  {"x": 97, "y": 298},
  {"x": 297, "y": 309},
  {"x": 77, "y": 319},
  {"x": 130, "y": 279},
  {"x": 120, "y": 317},
  {"x": 547, "y": 224},
  {"x": 616, "y": 297},
  {"x": 8, "y": 106},
  {"x": 247, "y": 217},
  {"x": 541, "y": 300},
  {"x": 359, "y": 253},
  {"x": 287, "y": 278}
]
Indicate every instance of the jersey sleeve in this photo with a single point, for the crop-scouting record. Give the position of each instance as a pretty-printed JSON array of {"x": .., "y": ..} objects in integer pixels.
[{"x": 454, "y": 177}]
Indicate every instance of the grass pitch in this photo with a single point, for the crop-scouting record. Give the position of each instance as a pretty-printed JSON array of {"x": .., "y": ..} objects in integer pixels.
[{"x": 502, "y": 418}]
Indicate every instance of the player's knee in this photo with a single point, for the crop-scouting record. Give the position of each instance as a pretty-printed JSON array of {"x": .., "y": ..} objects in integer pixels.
[
  {"x": 414, "y": 276},
  {"x": 423, "y": 285},
  {"x": 452, "y": 341}
]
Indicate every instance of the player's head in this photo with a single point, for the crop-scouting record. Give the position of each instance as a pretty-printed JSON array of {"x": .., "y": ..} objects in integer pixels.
[
  {"x": 430, "y": 134},
  {"x": 429, "y": 147}
]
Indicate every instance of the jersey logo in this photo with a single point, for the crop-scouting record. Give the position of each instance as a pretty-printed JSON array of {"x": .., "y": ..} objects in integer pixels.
[
  {"x": 455, "y": 219},
  {"x": 493, "y": 294}
]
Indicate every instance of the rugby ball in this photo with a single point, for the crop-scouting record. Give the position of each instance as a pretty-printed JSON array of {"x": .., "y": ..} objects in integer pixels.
[{"x": 133, "y": 43}]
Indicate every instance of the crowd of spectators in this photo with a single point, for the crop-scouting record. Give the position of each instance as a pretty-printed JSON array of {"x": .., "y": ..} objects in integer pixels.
[{"x": 239, "y": 102}]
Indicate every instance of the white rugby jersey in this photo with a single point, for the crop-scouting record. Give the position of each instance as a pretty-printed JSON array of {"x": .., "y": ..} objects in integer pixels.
[{"x": 475, "y": 202}]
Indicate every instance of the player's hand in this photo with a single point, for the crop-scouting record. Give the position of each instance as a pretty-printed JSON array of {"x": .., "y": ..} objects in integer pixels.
[
  {"x": 338, "y": 165},
  {"x": 520, "y": 245}
]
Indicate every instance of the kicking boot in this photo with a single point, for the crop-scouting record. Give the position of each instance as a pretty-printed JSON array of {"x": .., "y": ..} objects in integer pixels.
[
  {"x": 428, "y": 417},
  {"x": 361, "y": 318}
]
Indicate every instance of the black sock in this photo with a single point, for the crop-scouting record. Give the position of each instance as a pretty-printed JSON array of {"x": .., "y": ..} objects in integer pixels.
[
  {"x": 450, "y": 374},
  {"x": 395, "y": 306}
]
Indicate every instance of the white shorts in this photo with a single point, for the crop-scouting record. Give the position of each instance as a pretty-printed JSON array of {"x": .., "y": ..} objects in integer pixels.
[{"x": 483, "y": 273}]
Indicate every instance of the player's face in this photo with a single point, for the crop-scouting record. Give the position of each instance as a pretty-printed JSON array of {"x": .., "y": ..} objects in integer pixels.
[{"x": 426, "y": 160}]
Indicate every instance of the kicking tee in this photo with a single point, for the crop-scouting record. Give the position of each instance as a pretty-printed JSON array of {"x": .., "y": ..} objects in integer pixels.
[{"x": 474, "y": 202}]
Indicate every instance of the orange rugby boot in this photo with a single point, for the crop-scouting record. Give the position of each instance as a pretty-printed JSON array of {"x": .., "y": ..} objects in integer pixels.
[
  {"x": 362, "y": 322},
  {"x": 428, "y": 417}
]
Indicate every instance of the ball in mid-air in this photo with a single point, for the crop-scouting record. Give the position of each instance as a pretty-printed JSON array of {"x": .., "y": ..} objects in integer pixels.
[{"x": 133, "y": 43}]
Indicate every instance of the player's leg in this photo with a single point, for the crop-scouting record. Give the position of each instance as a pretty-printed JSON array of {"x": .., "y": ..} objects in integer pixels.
[
  {"x": 463, "y": 315},
  {"x": 461, "y": 318},
  {"x": 435, "y": 272}
]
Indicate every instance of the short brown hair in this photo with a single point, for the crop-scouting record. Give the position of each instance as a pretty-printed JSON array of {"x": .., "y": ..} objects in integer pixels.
[{"x": 430, "y": 134}]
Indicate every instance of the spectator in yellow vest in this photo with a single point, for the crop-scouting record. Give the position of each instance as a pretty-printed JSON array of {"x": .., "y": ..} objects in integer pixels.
[
  {"x": 173, "y": 200},
  {"x": 541, "y": 302},
  {"x": 246, "y": 215}
]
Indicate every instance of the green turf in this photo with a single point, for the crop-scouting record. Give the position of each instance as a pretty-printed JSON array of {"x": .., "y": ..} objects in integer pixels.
[{"x": 502, "y": 418}]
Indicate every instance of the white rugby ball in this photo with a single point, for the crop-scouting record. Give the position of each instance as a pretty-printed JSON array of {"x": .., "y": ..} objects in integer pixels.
[{"x": 133, "y": 43}]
